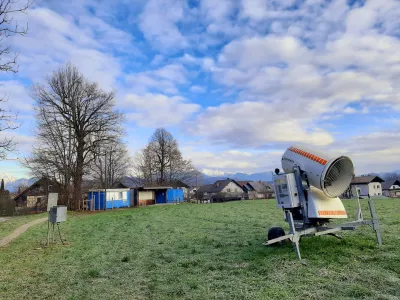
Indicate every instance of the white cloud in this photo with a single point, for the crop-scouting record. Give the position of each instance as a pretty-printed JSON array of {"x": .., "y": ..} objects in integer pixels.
[
  {"x": 217, "y": 162},
  {"x": 157, "y": 110},
  {"x": 197, "y": 89},
  {"x": 54, "y": 39},
  {"x": 158, "y": 22},
  {"x": 376, "y": 151},
  {"x": 17, "y": 95},
  {"x": 188, "y": 59},
  {"x": 253, "y": 52},
  {"x": 165, "y": 79},
  {"x": 157, "y": 59},
  {"x": 258, "y": 10},
  {"x": 24, "y": 143},
  {"x": 256, "y": 124}
]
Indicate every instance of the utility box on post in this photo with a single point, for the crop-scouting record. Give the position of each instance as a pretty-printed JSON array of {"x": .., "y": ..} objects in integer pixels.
[{"x": 58, "y": 214}]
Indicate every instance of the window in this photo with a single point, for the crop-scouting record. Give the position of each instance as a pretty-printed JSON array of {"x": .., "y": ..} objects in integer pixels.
[
  {"x": 120, "y": 195},
  {"x": 377, "y": 186},
  {"x": 374, "y": 186},
  {"x": 228, "y": 190}
]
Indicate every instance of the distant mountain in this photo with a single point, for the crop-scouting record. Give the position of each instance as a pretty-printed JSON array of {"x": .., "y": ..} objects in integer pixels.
[
  {"x": 11, "y": 183},
  {"x": 386, "y": 175},
  {"x": 264, "y": 176}
]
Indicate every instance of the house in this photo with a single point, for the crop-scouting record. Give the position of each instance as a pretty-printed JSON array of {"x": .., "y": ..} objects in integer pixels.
[
  {"x": 259, "y": 190},
  {"x": 368, "y": 185},
  {"x": 35, "y": 196},
  {"x": 222, "y": 190},
  {"x": 157, "y": 195},
  {"x": 391, "y": 188}
]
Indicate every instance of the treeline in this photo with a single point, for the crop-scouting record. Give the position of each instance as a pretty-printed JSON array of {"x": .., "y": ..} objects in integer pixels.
[{"x": 79, "y": 137}]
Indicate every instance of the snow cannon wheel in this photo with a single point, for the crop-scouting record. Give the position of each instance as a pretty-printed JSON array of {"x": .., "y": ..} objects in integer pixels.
[{"x": 275, "y": 232}]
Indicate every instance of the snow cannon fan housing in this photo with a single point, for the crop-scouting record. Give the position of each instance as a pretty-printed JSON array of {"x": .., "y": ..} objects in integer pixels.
[{"x": 328, "y": 175}]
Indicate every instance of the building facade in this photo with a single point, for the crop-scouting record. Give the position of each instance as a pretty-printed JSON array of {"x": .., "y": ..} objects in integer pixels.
[{"x": 368, "y": 185}]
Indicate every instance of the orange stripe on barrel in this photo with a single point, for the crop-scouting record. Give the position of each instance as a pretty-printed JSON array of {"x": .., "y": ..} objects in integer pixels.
[
  {"x": 309, "y": 155},
  {"x": 332, "y": 212}
]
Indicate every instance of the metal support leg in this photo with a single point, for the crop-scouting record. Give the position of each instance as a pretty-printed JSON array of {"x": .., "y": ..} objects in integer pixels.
[
  {"x": 295, "y": 238},
  {"x": 53, "y": 233},
  {"x": 375, "y": 221},
  {"x": 48, "y": 231}
]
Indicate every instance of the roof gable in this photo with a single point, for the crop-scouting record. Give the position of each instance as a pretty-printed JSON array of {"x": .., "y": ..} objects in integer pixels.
[
  {"x": 366, "y": 179},
  {"x": 388, "y": 183},
  {"x": 218, "y": 186}
]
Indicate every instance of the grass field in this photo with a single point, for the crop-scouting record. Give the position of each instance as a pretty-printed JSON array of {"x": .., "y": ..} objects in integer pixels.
[
  {"x": 209, "y": 251},
  {"x": 13, "y": 223}
]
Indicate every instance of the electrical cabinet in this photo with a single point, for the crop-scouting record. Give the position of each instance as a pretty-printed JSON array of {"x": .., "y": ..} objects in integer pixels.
[
  {"x": 58, "y": 214},
  {"x": 287, "y": 195}
]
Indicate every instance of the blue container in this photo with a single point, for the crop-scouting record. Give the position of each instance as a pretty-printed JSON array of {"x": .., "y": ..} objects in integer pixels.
[
  {"x": 116, "y": 198},
  {"x": 175, "y": 195}
]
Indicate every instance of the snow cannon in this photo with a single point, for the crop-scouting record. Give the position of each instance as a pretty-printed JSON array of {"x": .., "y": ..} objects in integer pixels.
[
  {"x": 308, "y": 192},
  {"x": 328, "y": 177}
]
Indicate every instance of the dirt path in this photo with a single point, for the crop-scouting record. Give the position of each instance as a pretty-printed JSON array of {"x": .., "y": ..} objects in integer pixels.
[{"x": 20, "y": 230}]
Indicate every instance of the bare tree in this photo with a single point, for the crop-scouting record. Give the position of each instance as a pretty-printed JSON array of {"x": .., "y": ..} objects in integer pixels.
[
  {"x": 75, "y": 118},
  {"x": 110, "y": 164},
  {"x": 8, "y": 63},
  {"x": 161, "y": 161}
]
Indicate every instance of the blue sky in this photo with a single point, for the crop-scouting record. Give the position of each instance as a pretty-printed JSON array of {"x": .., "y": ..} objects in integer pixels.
[{"x": 236, "y": 82}]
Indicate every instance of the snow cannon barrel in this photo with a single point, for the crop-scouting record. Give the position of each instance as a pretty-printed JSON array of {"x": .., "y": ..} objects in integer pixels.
[{"x": 329, "y": 173}]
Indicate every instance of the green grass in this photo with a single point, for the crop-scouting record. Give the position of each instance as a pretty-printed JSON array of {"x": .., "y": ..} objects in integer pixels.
[
  {"x": 14, "y": 222},
  {"x": 209, "y": 251}
]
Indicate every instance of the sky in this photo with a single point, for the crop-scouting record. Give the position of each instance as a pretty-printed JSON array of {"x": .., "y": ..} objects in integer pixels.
[{"x": 236, "y": 82}]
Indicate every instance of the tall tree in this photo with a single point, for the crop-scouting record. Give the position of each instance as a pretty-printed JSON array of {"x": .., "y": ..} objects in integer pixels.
[
  {"x": 75, "y": 118},
  {"x": 161, "y": 161},
  {"x": 110, "y": 164},
  {"x": 8, "y": 63}
]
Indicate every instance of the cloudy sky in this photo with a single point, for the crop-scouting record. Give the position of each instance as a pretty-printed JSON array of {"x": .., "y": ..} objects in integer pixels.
[{"x": 236, "y": 82}]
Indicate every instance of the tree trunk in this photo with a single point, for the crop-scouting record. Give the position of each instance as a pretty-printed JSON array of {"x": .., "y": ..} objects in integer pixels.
[{"x": 78, "y": 177}]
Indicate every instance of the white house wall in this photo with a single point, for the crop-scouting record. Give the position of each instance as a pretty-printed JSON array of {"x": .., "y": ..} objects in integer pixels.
[
  {"x": 375, "y": 188},
  {"x": 232, "y": 188},
  {"x": 372, "y": 188}
]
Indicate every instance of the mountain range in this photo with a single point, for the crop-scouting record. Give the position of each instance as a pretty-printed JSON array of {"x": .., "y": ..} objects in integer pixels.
[
  {"x": 263, "y": 176},
  {"x": 11, "y": 183}
]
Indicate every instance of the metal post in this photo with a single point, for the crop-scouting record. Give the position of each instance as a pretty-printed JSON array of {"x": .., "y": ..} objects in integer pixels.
[
  {"x": 53, "y": 233},
  {"x": 105, "y": 180},
  {"x": 48, "y": 229},
  {"x": 375, "y": 221},
  {"x": 197, "y": 190},
  {"x": 295, "y": 238}
]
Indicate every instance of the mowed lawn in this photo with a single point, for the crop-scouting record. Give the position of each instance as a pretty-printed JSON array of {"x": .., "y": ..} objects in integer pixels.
[
  {"x": 13, "y": 223},
  {"x": 207, "y": 251}
]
